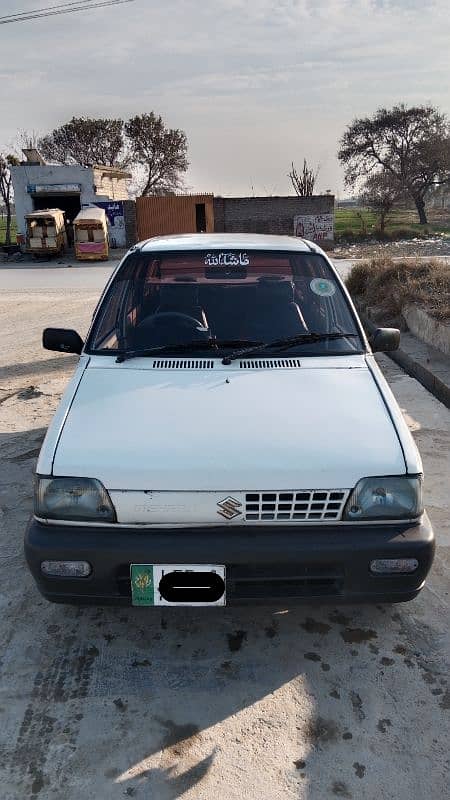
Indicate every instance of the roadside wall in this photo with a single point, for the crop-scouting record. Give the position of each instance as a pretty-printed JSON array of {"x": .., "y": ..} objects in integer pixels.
[
  {"x": 276, "y": 215},
  {"x": 427, "y": 328}
]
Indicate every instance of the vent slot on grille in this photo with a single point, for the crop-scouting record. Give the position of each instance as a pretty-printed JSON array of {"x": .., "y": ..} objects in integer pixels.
[
  {"x": 270, "y": 363},
  {"x": 296, "y": 580},
  {"x": 307, "y": 506},
  {"x": 184, "y": 363}
]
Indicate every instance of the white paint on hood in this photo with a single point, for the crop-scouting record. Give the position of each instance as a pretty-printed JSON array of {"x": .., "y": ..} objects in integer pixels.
[{"x": 138, "y": 428}]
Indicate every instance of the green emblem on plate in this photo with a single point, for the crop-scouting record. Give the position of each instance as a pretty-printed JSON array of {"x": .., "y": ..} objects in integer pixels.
[{"x": 142, "y": 586}]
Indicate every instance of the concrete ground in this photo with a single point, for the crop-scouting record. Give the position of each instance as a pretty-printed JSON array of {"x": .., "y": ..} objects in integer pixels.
[{"x": 315, "y": 703}]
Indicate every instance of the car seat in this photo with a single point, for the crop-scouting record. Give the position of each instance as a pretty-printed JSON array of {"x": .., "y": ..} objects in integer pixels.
[{"x": 275, "y": 314}]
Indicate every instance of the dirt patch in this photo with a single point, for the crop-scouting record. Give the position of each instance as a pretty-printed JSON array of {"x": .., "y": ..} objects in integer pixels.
[
  {"x": 320, "y": 731},
  {"x": 313, "y": 657},
  {"x": 357, "y": 705},
  {"x": 340, "y": 789},
  {"x": 360, "y": 770},
  {"x": 358, "y": 635},
  {"x": 311, "y": 625},
  {"x": 235, "y": 640}
]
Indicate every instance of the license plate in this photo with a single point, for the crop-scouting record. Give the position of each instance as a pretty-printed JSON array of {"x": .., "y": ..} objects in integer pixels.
[{"x": 177, "y": 584}]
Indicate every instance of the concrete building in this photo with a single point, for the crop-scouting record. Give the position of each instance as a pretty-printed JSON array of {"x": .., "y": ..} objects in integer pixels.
[{"x": 38, "y": 186}]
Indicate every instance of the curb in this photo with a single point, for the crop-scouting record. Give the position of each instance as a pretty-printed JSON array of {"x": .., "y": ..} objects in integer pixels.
[{"x": 414, "y": 368}]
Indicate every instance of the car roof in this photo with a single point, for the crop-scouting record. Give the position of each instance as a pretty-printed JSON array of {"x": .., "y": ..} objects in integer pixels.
[{"x": 215, "y": 241}]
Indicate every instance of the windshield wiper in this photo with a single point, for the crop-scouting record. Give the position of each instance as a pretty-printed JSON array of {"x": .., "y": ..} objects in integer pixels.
[
  {"x": 208, "y": 344},
  {"x": 285, "y": 344}
]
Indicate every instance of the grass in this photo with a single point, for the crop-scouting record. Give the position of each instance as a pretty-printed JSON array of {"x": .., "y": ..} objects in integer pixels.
[
  {"x": 350, "y": 223},
  {"x": 390, "y": 286},
  {"x": 3, "y": 230}
]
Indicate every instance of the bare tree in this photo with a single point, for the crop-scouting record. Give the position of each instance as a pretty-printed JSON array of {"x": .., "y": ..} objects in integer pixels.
[
  {"x": 6, "y": 189},
  {"x": 381, "y": 192},
  {"x": 412, "y": 144},
  {"x": 160, "y": 151},
  {"x": 304, "y": 182}
]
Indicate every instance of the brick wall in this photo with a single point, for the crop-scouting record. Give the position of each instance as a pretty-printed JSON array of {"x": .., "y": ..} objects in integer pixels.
[
  {"x": 268, "y": 214},
  {"x": 129, "y": 212}
]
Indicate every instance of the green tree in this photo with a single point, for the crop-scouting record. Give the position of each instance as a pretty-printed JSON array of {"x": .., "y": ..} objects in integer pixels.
[
  {"x": 410, "y": 143},
  {"x": 86, "y": 141},
  {"x": 161, "y": 153},
  {"x": 381, "y": 192}
]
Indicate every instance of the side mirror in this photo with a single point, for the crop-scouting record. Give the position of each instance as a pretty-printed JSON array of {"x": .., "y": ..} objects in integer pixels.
[
  {"x": 384, "y": 339},
  {"x": 63, "y": 340}
]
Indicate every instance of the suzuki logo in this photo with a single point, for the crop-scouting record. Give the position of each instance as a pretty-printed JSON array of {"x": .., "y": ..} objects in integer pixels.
[{"x": 229, "y": 508}]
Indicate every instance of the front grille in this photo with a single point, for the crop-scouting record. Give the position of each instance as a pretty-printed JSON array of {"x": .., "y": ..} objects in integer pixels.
[
  {"x": 183, "y": 363},
  {"x": 245, "y": 581},
  {"x": 270, "y": 363},
  {"x": 310, "y": 506}
]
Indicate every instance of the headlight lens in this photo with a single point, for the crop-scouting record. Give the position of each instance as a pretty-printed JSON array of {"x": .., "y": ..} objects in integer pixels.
[
  {"x": 385, "y": 498},
  {"x": 72, "y": 499}
]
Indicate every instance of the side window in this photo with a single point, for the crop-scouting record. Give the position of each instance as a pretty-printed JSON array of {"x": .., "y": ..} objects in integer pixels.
[{"x": 105, "y": 332}]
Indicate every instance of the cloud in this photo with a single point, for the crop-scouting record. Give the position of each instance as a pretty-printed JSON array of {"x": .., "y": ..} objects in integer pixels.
[{"x": 254, "y": 83}]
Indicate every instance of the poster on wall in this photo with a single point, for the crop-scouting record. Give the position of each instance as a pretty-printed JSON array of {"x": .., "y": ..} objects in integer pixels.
[
  {"x": 316, "y": 227},
  {"x": 116, "y": 221}
]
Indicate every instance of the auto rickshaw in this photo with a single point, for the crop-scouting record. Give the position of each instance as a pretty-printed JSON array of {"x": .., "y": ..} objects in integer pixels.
[
  {"x": 45, "y": 232},
  {"x": 91, "y": 235}
]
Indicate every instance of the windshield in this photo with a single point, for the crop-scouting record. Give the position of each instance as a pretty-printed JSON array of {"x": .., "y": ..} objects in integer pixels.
[{"x": 223, "y": 299}]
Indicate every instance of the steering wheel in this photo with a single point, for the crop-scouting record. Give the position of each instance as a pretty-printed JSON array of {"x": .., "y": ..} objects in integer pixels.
[{"x": 181, "y": 322}]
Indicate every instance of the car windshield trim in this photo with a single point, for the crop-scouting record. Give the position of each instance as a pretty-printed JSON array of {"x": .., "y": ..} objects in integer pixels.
[{"x": 208, "y": 344}]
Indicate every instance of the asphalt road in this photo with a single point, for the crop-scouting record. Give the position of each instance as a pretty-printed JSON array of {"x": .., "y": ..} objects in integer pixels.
[{"x": 242, "y": 704}]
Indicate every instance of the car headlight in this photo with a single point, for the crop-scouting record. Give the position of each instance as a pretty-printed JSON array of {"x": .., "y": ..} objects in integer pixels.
[
  {"x": 83, "y": 499},
  {"x": 385, "y": 498}
]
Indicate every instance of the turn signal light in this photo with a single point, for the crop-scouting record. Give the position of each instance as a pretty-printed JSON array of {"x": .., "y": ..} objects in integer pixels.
[
  {"x": 66, "y": 569},
  {"x": 393, "y": 566}
]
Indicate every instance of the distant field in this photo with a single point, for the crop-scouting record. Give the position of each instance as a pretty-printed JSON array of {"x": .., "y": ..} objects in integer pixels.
[
  {"x": 362, "y": 220},
  {"x": 3, "y": 230}
]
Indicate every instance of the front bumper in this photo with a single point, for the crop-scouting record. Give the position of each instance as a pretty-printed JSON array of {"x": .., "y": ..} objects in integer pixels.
[{"x": 272, "y": 565}]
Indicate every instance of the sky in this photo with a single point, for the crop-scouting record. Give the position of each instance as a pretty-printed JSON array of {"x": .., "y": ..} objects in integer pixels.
[{"x": 255, "y": 84}]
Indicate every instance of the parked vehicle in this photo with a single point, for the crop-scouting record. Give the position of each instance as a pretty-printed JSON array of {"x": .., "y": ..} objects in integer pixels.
[
  {"x": 227, "y": 437},
  {"x": 45, "y": 233},
  {"x": 91, "y": 235}
]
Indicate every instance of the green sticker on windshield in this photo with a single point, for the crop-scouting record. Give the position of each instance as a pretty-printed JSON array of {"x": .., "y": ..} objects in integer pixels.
[{"x": 323, "y": 287}]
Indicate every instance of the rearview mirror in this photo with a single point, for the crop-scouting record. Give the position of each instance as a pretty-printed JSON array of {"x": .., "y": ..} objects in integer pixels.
[
  {"x": 63, "y": 340},
  {"x": 385, "y": 339}
]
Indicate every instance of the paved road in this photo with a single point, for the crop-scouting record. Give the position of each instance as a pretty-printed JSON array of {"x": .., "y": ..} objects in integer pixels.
[{"x": 243, "y": 704}]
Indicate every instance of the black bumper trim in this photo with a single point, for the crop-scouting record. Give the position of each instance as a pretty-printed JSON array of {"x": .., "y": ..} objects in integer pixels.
[{"x": 264, "y": 564}]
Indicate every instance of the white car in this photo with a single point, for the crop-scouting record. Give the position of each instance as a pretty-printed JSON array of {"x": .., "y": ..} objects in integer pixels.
[{"x": 227, "y": 437}]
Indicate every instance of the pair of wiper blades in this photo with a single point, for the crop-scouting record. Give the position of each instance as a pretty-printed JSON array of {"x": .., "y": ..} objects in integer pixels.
[{"x": 251, "y": 346}]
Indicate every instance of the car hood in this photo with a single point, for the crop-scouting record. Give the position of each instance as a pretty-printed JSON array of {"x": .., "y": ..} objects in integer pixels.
[{"x": 321, "y": 425}]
